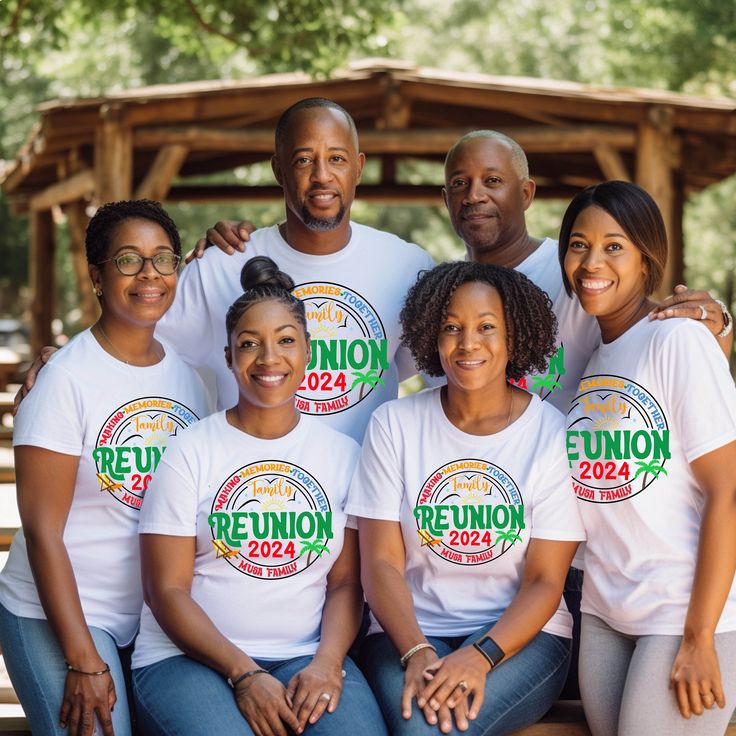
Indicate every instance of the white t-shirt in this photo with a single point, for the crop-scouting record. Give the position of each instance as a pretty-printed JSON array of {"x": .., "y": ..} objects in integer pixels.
[
  {"x": 578, "y": 333},
  {"x": 119, "y": 420},
  {"x": 467, "y": 506},
  {"x": 352, "y": 298},
  {"x": 269, "y": 524},
  {"x": 651, "y": 402}
]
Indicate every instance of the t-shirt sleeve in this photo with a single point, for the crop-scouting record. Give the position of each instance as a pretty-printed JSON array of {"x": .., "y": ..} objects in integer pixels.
[
  {"x": 699, "y": 389},
  {"x": 52, "y": 416},
  {"x": 170, "y": 503},
  {"x": 185, "y": 326},
  {"x": 377, "y": 488},
  {"x": 555, "y": 514}
]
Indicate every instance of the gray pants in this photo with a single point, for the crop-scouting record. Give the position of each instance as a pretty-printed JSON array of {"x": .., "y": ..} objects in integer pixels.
[{"x": 624, "y": 683}]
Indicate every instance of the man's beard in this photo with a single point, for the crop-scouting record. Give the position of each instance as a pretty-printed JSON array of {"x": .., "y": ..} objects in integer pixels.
[{"x": 322, "y": 224}]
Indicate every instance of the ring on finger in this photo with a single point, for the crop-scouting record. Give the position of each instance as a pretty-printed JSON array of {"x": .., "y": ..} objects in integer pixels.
[
  {"x": 462, "y": 685},
  {"x": 326, "y": 696},
  {"x": 703, "y": 312}
]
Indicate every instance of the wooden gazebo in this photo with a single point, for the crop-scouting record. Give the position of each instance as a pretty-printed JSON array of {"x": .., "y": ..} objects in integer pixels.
[{"x": 148, "y": 142}]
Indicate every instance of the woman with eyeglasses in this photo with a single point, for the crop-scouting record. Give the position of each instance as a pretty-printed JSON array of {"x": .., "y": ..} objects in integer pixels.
[{"x": 87, "y": 442}]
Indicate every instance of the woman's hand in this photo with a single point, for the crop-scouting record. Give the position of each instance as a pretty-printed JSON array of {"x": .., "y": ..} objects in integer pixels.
[
  {"x": 263, "y": 700},
  {"x": 87, "y": 696},
  {"x": 414, "y": 682},
  {"x": 453, "y": 681},
  {"x": 315, "y": 689},
  {"x": 696, "y": 678}
]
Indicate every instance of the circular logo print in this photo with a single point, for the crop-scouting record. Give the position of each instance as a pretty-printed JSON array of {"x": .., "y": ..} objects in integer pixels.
[
  {"x": 469, "y": 512},
  {"x": 271, "y": 520},
  {"x": 349, "y": 349},
  {"x": 618, "y": 441},
  {"x": 131, "y": 442}
]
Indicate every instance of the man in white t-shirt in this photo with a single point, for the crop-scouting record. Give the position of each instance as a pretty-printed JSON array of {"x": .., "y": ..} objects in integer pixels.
[
  {"x": 352, "y": 278},
  {"x": 487, "y": 191}
]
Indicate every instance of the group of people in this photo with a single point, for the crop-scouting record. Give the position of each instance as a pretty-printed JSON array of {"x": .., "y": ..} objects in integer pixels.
[{"x": 189, "y": 570}]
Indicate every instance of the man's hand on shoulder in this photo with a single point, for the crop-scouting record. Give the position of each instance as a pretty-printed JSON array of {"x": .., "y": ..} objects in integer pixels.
[
  {"x": 41, "y": 359},
  {"x": 227, "y": 235},
  {"x": 700, "y": 306}
]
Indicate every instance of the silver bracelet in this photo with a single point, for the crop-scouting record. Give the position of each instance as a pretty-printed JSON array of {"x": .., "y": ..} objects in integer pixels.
[
  {"x": 417, "y": 648},
  {"x": 727, "y": 319}
]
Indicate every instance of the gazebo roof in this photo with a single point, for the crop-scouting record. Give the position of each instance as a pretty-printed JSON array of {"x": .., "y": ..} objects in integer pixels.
[{"x": 574, "y": 134}]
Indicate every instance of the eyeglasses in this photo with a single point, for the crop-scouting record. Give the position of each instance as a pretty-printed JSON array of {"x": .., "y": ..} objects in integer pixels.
[{"x": 131, "y": 264}]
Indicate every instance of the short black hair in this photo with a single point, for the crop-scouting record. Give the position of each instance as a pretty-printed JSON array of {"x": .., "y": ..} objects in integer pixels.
[
  {"x": 305, "y": 104},
  {"x": 262, "y": 280},
  {"x": 531, "y": 326},
  {"x": 636, "y": 212},
  {"x": 110, "y": 216}
]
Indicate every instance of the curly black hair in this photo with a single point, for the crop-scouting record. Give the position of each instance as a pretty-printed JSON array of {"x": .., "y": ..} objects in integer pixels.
[
  {"x": 262, "y": 280},
  {"x": 531, "y": 325},
  {"x": 110, "y": 216}
]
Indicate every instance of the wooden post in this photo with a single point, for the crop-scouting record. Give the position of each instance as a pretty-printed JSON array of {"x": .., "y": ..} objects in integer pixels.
[
  {"x": 656, "y": 155},
  {"x": 676, "y": 254},
  {"x": 165, "y": 167},
  {"x": 41, "y": 271},
  {"x": 113, "y": 155},
  {"x": 77, "y": 220}
]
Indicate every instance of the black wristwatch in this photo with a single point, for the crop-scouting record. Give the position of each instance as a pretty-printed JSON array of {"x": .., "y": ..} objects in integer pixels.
[{"x": 490, "y": 650}]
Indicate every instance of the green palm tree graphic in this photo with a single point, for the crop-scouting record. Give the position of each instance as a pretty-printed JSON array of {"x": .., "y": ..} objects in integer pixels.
[
  {"x": 318, "y": 547},
  {"x": 649, "y": 467},
  {"x": 508, "y": 537},
  {"x": 369, "y": 377},
  {"x": 547, "y": 381}
]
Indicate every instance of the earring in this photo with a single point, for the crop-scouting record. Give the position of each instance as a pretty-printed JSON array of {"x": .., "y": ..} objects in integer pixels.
[{"x": 98, "y": 292}]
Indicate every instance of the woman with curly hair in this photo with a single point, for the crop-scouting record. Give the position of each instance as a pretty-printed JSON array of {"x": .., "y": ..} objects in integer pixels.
[{"x": 467, "y": 526}]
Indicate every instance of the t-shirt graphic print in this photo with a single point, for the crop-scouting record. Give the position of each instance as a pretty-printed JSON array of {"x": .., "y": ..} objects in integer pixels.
[
  {"x": 132, "y": 440},
  {"x": 469, "y": 512},
  {"x": 618, "y": 439},
  {"x": 271, "y": 519},
  {"x": 350, "y": 350}
]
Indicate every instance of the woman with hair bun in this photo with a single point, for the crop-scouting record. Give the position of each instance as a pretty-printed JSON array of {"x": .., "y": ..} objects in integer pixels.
[
  {"x": 652, "y": 448},
  {"x": 251, "y": 573}
]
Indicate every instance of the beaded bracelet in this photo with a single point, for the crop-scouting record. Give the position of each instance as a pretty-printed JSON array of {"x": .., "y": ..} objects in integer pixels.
[
  {"x": 417, "y": 648},
  {"x": 72, "y": 668},
  {"x": 234, "y": 683}
]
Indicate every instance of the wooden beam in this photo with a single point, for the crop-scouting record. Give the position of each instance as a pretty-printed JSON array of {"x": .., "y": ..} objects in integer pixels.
[
  {"x": 416, "y": 141},
  {"x": 77, "y": 220},
  {"x": 611, "y": 163},
  {"x": 41, "y": 276},
  {"x": 113, "y": 155},
  {"x": 164, "y": 169},
  {"x": 75, "y": 187}
]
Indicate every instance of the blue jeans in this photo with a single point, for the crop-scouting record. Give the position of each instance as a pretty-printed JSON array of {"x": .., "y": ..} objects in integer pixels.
[
  {"x": 179, "y": 696},
  {"x": 36, "y": 667},
  {"x": 518, "y": 692}
]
